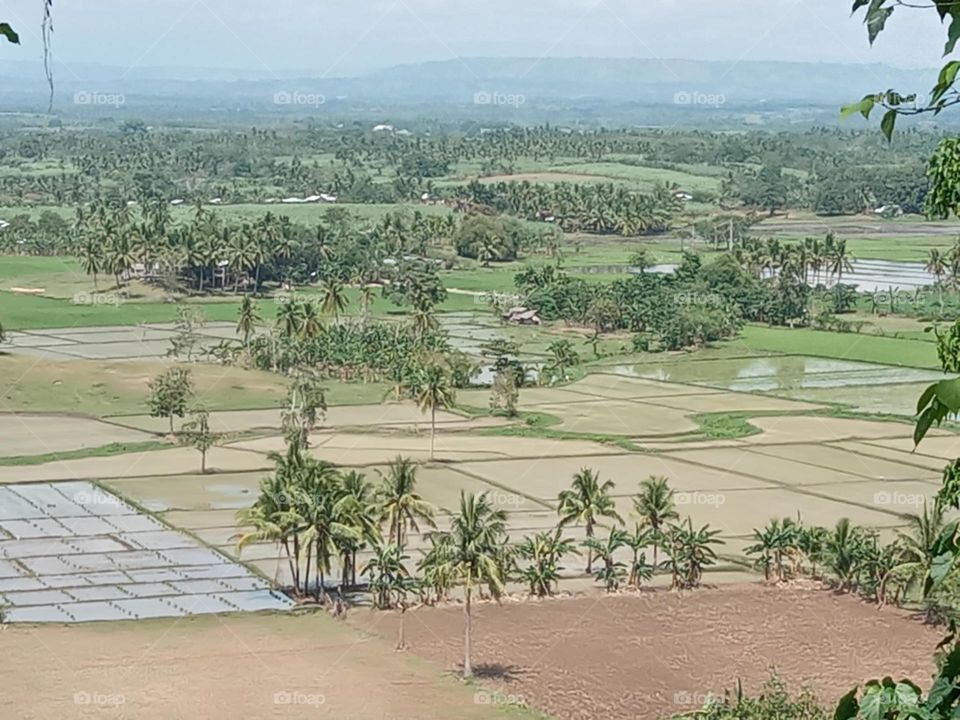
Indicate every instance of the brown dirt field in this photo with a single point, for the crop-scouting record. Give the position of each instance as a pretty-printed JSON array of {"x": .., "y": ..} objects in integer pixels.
[
  {"x": 221, "y": 667},
  {"x": 642, "y": 657}
]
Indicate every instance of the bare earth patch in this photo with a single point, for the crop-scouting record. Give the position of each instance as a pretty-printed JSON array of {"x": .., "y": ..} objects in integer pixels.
[
  {"x": 652, "y": 655},
  {"x": 250, "y": 667}
]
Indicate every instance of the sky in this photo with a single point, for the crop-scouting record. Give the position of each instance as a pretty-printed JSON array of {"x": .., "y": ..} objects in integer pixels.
[{"x": 349, "y": 37}]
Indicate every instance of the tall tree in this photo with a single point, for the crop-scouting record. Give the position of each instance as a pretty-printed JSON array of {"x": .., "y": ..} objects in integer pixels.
[
  {"x": 654, "y": 504},
  {"x": 247, "y": 320},
  {"x": 400, "y": 505},
  {"x": 587, "y": 502}
]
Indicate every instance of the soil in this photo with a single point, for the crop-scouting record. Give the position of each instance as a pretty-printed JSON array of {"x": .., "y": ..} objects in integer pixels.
[{"x": 659, "y": 653}]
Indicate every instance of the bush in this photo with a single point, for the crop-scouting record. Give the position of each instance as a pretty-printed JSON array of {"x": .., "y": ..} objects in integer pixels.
[{"x": 774, "y": 703}]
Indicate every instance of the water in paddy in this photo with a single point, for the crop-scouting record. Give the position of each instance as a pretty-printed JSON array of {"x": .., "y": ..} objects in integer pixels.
[
  {"x": 868, "y": 275},
  {"x": 863, "y": 386}
]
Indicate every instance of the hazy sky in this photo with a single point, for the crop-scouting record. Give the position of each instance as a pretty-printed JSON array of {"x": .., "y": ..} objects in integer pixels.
[{"x": 350, "y": 36}]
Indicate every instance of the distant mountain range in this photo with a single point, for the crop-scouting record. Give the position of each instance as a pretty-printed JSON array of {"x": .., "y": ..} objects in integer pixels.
[{"x": 588, "y": 86}]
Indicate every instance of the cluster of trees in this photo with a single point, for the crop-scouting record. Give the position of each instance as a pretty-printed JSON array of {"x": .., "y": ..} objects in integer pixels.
[
  {"x": 602, "y": 208},
  {"x": 830, "y": 171},
  {"x": 834, "y": 188},
  {"x": 759, "y": 280},
  {"x": 318, "y": 514},
  {"x": 856, "y": 559},
  {"x": 208, "y": 252},
  {"x": 664, "y": 311}
]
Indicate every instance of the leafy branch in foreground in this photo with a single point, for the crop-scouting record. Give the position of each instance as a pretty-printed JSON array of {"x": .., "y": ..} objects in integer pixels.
[{"x": 944, "y": 93}]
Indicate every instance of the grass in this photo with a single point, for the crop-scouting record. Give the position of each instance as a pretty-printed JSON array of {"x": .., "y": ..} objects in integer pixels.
[
  {"x": 838, "y": 346},
  {"x": 105, "y": 387},
  {"x": 20, "y": 311},
  {"x": 100, "y": 451},
  {"x": 725, "y": 426},
  {"x": 538, "y": 425}
]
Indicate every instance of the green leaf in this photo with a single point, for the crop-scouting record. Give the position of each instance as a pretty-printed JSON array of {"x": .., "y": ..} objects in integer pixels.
[
  {"x": 926, "y": 397},
  {"x": 953, "y": 34},
  {"x": 9, "y": 33},
  {"x": 864, "y": 107},
  {"x": 872, "y": 705},
  {"x": 848, "y": 707},
  {"x": 907, "y": 693},
  {"x": 948, "y": 393},
  {"x": 888, "y": 123},
  {"x": 877, "y": 16}
]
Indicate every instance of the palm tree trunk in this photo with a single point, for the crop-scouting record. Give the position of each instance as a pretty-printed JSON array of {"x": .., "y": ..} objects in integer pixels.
[
  {"x": 306, "y": 570},
  {"x": 401, "y": 640},
  {"x": 203, "y": 462},
  {"x": 293, "y": 571},
  {"x": 433, "y": 428},
  {"x": 467, "y": 666},
  {"x": 589, "y": 550}
]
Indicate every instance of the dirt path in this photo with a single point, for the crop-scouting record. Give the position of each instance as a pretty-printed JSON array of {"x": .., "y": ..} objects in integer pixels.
[
  {"x": 239, "y": 667},
  {"x": 659, "y": 654}
]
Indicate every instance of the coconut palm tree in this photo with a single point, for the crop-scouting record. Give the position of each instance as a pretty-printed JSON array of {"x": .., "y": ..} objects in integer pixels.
[
  {"x": 310, "y": 323},
  {"x": 333, "y": 297},
  {"x": 290, "y": 318},
  {"x": 248, "y": 319},
  {"x": 655, "y": 506},
  {"x": 399, "y": 504},
  {"x": 843, "y": 552},
  {"x": 587, "y": 502},
  {"x": 433, "y": 390},
  {"x": 477, "y": 535},
  {"x": 328, "y": 515},
  {"x": 364, "y": 516}
]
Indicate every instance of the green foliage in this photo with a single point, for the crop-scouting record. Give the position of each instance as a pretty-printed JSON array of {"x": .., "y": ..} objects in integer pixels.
[
  {"x": 9, "y": 33},
  {"x": 170, "y": 394},
  {"x": 774, "y": 703},
  {"x": 197, "y": 434}
]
